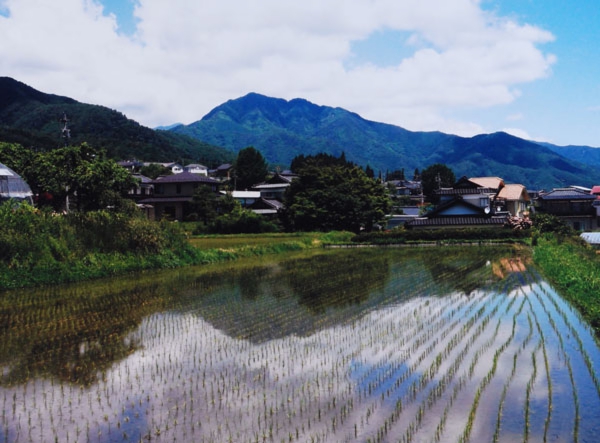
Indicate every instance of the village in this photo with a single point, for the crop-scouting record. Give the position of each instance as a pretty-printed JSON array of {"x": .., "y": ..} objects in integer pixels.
[{"x": 470, "y": 202}]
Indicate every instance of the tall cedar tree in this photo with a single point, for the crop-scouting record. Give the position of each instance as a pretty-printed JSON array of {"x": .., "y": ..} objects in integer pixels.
[{"x": 250, "y": 168}]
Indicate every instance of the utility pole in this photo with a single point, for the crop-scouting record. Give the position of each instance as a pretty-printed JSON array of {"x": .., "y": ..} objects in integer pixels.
[
  {"x": 66, "y": 132},
  {"x": 66, "y": 136}
]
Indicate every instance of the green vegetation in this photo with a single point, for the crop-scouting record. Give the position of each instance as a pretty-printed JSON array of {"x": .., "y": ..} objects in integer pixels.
[
  {"x": 59, "y": 174},
  {"x": 333, "y": 194},
  {"x": 446, "y": 235},
  {"x": 250, "y": 168},
  {"x": 574, "y": 268},
  {"x": 31, "y": 118},
  {"x": 41, "y": 247}
]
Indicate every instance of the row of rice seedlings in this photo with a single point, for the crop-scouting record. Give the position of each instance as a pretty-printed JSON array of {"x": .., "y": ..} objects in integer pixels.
[
  {"x": 551, "y": 296},
  {"x": 563, "y": 352},
  {"x": 425, "y": 391},
  {"x": 193, "y": 383}
]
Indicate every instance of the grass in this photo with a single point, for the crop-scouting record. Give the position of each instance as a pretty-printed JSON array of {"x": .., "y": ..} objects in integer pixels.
[{"x": 574, "y": 269}]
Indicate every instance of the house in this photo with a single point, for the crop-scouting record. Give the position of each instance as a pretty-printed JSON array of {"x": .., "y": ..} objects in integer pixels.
[
  {"x": 407, "y": 213},
  {"x": 478, "y": 191},
  {"x": 173, "y": 194},
  {"x": 266, "y": 207},
  {"x": 175, "y": 168},
  {"x": 459, "y": 213},
  {"x": 195, "y": 168},
  {"x": 410, "y": 189},
  {"x": 514, "y": 199},
  {"x": 131, "y": 165},
  {"x": 275, "y": 187},
  {"x": 573, "y": 205},
  {"x": 143, "y": 189},
  {"x": 245, "y": 198},
  {"x": 13, "y": 187},
  {"x": 222, "y": 171}
]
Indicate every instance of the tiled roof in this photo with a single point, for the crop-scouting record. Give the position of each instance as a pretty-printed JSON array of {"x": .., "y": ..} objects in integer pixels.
[
  {"x": 185, "y": 177},
  {"x": 596, "y": 190},
  {"x": 513, "y": 192},
  {"x": 487, "y": 182},
  {"x": 457, "y": 221},
  {"x": 567, "y": 194},
  {"x": 465, "y": 191}
]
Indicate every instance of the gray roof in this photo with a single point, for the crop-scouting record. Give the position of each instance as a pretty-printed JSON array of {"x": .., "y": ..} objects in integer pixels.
[
  {"x": 567, "y": 194},
  {"x": 457, "y": 221},
  {"x": 185, "y": 177}
]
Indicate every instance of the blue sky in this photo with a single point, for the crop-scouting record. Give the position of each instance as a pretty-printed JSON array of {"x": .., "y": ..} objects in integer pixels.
[{"x": 528, "y": 67}]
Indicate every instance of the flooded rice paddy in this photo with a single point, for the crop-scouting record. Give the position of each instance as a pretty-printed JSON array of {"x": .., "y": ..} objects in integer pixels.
[{"x": 444, "y": 345}]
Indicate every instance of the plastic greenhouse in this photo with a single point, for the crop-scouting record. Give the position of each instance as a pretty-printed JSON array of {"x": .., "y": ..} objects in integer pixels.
[{"x": 13, "y": 187}]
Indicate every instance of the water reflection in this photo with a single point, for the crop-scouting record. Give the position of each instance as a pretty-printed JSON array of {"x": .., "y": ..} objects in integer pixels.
[
  {"x": 335, "y": 346},
  {"x": 76, "y": 332}
]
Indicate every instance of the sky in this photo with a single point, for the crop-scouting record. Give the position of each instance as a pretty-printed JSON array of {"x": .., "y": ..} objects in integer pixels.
[{"x": 465, "y": 67}]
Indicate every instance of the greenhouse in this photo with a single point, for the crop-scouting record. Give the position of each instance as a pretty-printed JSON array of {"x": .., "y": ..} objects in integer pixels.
[
  {"x": 12, "y": 186},
  {"x": 592, "y": 238}
]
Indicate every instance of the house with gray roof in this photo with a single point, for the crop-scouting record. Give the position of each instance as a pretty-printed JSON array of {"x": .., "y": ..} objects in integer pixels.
[
  {"x": 573, "y": 205},
  {"x": 173, "y": 194}
]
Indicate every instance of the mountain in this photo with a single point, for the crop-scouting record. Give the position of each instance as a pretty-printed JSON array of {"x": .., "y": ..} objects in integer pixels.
[
  {"x": 582, "y": 154},
  {"x": 282, "y": 129},
  {"x": 31, "y": 118}
]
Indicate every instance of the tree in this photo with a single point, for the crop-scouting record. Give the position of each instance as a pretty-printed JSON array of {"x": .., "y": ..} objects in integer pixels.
[
  {"x": 434, "y": 177},
  {"x": 334, "y": 196},
  {"x": 250, "y": 168},
  {"x": 204, "y": 204},
  {"x": 70, "y": 171},
  {"x": 153, "y": 170}
]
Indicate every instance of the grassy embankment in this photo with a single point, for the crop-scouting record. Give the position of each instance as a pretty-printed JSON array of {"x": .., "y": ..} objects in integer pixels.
[
  {"x": 574, "y": 269},
  {"x": 39, "y": 248}
]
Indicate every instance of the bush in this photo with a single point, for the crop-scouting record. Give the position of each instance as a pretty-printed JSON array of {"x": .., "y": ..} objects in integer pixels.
[{"x": 242, "y": 222}]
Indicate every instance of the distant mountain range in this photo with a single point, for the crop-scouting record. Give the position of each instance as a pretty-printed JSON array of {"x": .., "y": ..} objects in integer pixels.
[
  {"x": 31, "y": 118},
  {"x": 282, "y": 129}
]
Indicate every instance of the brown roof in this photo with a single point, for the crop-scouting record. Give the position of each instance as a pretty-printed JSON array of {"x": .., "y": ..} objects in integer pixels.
[
  {"x": 487, "y": 182},
  {"x": 513, "y": 192}
]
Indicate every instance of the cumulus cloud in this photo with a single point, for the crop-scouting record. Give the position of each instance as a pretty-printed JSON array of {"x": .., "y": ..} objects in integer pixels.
[{"x": 188, "y": 57}]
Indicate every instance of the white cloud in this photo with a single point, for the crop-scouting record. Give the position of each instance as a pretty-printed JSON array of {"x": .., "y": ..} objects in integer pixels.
[{"x": 188, "y": 57}]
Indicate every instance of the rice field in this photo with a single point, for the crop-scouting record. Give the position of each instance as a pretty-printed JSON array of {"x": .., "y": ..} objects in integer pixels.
[{"x": 445, "y": 345}]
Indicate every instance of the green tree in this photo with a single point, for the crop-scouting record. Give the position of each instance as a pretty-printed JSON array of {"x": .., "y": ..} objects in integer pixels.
[
  {"x": 333, "y": 196},
  {"x": 434, "y": 177},
  {"x": 153, "y": 170},
  {"x": 68, "y": 172},
  {"x": 250, "y": 168},
  {"x": 204, "y": 204}
]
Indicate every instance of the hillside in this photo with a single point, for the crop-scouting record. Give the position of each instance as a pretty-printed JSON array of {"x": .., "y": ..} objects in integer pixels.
[
  {"x": 31, "y": 118},
  {"x": 583, "y": 154},
  {"x": 282, "y": 129}
]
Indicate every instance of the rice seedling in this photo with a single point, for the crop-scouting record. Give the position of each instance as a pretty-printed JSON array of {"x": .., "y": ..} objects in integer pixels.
[{"x": 349, "y": 345}]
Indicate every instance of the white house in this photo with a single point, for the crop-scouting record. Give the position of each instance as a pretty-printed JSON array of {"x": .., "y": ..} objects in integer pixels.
[{"x": 196, "y": 169}]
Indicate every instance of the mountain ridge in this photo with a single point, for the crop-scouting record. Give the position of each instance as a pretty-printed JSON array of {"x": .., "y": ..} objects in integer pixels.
[
  {"x": 282, "y": 129},
  {"x": 31, "y": 118}
]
